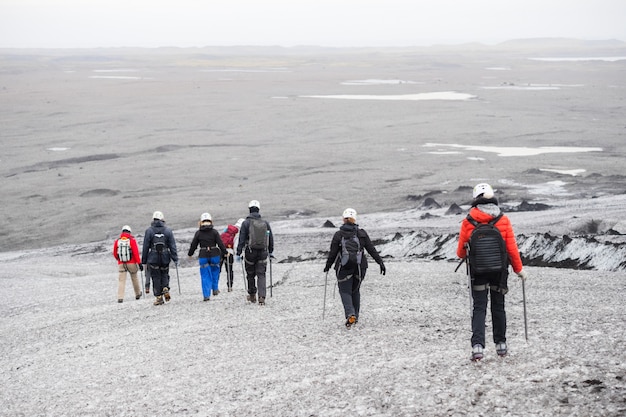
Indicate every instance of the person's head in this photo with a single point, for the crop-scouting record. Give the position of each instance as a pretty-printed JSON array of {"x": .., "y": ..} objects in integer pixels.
[
  {"x": 126, "y": 229},
  {"x": 349, "y": 216},
  {"x": 205, "y": 218},
  {"x": 158, "y": 216},
  {"x": 483, "y": 190},
  {"x": 239, "y": 223},
  {"x": 254, "y": 206}
]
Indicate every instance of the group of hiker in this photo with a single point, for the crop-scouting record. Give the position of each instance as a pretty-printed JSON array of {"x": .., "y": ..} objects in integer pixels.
[{"x": 486, "y": 243}]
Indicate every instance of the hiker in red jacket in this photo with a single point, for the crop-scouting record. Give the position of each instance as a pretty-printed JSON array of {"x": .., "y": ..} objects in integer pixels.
[
  {"x": 228, "y": 238},
  {"x": 126, "y": 251},
  {"x": 484, "y": 209}
]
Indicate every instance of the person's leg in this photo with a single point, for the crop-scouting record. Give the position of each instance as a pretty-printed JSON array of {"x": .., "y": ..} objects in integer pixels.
[
  {"x": 498, "y": 317},
  {"x": 205, "y": 279},
  {"x": 356, "y": 296},
  {"x": 214, "y": 270},
  {"x": 345, "y": 292},
  {"x": 121, "y": 285},
  {"x": 133, "y": 269},
  {"x": 261, "y": 278},
  {"x": 157, "y": 280},
  {"x": 478, "y": 317}
]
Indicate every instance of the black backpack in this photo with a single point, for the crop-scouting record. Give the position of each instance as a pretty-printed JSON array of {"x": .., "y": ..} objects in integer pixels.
[
  {"x": 258, "y": 234},
  {"x": 351, "y": 251},
  {"x": 487, "y": 249},
  {"x": 159, "y": 245}
]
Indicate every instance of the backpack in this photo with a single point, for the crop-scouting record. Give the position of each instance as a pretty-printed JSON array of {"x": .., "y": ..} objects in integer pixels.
[
  {"x": 228, "y": 237},
  {"x": 258, "y": 236},
  {"x": 351, "y": 251},
  {"x": 487, "y": 249},
  {"x": 124, "y": 252},
  {"x": 159, "y": 243}
]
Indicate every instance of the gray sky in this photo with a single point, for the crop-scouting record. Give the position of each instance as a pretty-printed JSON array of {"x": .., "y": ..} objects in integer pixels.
[{"x": 153, "y": 23}]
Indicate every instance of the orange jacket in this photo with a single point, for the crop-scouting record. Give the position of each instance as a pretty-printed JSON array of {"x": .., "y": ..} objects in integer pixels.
[
  {"x": 505, "y": 228},
  {"x": 136, "y": 259}
]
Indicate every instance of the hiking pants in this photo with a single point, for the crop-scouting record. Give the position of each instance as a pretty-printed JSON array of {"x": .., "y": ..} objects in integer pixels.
[
  {"x": 350, "y": 293},
  {"x": 160, "y": 278},
  {"x": 498, "y": 316},
  {"x": 123, "y": 268},
  {"x": 209, "y": 274},
  {"x": 256, "y": 265},
  {"x": 228, "y": 264}
]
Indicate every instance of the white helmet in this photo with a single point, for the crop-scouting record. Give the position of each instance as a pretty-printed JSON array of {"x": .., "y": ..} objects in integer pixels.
[
  {"x": 158, "y": 215},
  {"x": 483, "y": 189},
  {"x": 205, "y": 217},
  {"x": 126, "y": 228},
  {"x": 254, "y": 203},
  {"x": 239, "y": 223},
  {"x": 349, "y": 213}
]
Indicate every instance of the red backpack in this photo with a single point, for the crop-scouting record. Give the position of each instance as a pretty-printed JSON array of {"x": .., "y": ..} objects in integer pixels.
[{"x": 228, "y": 236}]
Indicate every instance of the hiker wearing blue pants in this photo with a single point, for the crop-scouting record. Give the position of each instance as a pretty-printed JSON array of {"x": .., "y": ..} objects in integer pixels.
[{"x": 212, "y": 249}]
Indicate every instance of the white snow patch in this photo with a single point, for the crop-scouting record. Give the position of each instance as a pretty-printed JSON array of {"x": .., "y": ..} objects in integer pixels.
[
  {"x": 516, "y": 150},
  {"x": 445, "y": 95},
  {"x": 572, "y": 172}
]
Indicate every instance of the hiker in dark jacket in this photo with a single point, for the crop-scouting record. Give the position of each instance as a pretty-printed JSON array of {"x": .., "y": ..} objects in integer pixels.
[
  {"x": 159, "y": 249},
  {"x": 211, "y": 252},
  {"x": 255, "y": 253},
  {"x": 350, "y": 274}
]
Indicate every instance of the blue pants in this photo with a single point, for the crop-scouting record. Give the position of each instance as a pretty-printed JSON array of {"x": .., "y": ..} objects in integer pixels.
[{"x": 209, "y": 275}]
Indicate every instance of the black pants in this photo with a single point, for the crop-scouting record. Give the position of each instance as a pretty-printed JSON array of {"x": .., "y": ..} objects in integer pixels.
[
  {"x": 160, "y": 278},
  {"x": 228, "y": 263},
  {"x": 350, "y": 293},
  {"x": 256, "y": 265},
  {"x": 479, "y": 312}
]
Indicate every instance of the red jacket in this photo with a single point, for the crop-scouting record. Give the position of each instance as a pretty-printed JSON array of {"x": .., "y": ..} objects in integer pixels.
[
  {"x": 505, "y": 228},
  {"x": 136, "y": 259}
]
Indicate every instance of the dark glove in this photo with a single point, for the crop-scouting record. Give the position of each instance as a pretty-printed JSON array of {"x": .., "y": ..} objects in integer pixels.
[
  {"x": 326, "y": 268},
  {"x": 140, "y": 267},
  {"x": 383, "y": 270}
]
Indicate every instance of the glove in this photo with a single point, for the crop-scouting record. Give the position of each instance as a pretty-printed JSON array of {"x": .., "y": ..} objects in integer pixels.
[
  {"x": 383, "y": 270},
  {"x": 272, "y": 255},
  {"x": 147, "y": 290},
  {"x": 522, "y": 274},
  {"x": 140, "y": 267},
  {"x": 326, "y": 268},
  {"x": 238, "y": 259},
  {"x": 176, "y": 262}
]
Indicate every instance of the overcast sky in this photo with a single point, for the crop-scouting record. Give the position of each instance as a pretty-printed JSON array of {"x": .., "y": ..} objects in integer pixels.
[{"x": 153, "y": 23}]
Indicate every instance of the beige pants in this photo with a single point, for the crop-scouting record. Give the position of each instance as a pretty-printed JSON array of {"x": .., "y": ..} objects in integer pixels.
[{"x": 123, "y": 269}]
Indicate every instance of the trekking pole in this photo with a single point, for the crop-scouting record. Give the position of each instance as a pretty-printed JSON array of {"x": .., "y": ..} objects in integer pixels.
[
  {"x": 524, "y": 300},
  {"x": 271, "y": 284},
  {"x": 469, "y": 282},
  {"x": 243, "y": 273},
  {"x": 177, "y": 278},
  {"x": 325, "y": 286},
  {"x": 142, "y": 284}
]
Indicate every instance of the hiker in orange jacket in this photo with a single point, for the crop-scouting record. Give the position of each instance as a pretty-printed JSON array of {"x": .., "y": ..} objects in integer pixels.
[
  {"x": 484, "y": 209},
  {"x": 126, "y": 252}
]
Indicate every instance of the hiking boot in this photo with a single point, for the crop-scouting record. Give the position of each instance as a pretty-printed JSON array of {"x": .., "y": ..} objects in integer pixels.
[
  {"x": 230, "y": 289},
  {"x": 251, "y": 298},
  {"x": 477, "y": 353},
  {"x": 261, "y": 301},
  {"x": 216, "y": 292},
  {"x": 138, "y": 296},
  {"x": 350, "y": 321},
  {"x": 166, "y": 293},
  {"x": 207, "y": 299},
  {"x": 159, "y": 301},
  {"x": 120, "y": 300},
  {"x": 501, "y": 349},
  {"x": 147, "y": 290}
]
